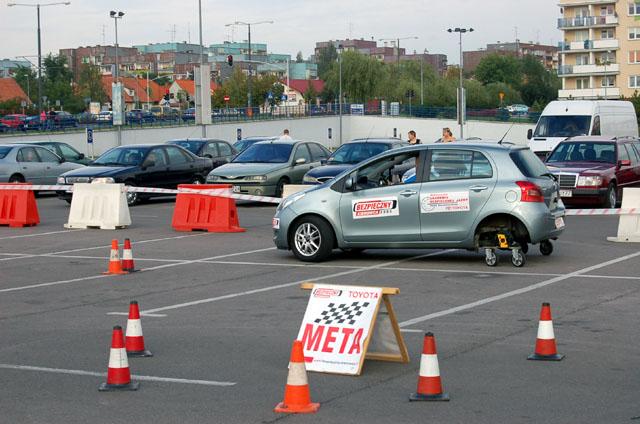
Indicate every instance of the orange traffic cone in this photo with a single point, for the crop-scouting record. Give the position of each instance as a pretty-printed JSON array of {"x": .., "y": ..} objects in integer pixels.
[
  {"x": 115, "y": 266},
  {"x": 429, "y": 383},
  {"x": 546, "y": 341},
  {"x": 118, "y": 374},
  {"x": 134, "y": 340},
  {"x": 127, "y": 257},
  {"x": 297, "y": 399}
]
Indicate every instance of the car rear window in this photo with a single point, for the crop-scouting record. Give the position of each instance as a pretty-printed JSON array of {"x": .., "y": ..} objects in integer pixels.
[
  {"x": 528, "y": 163},
  {"x": 192, "y": 146},
  {"x": 4, "y": 151}
]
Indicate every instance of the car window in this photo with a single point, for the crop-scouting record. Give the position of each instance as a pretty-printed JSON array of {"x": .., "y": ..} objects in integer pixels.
[
  {"x": 450, "y": 165},
  {"x": 225, "y": 149},
  {"x": 481, "y": 167},
  {"x": 265, "y": 153},
  {"x": 4, "y": 151},
  {"x": 317, "y": 152},
  {"x": 27, "y": 154},
  {"x": 622, "y": 152},
  {"x": 596, "y": 126},
  {"x": 211, "y": 149},
  {"x": 47, "y": 155},
  {"x": 157, "y": 156},
  {"x": 636, "y": 147},
  {"x": 633, "y": 155},
  {"x": 388, "y": 171},
  {"x": 576, "y": 151},
  {"x": 302, "y": 152},
  {"x": 69, "y": 152},
  {"x": 49, "y": 146},
  {"x": 528, "y": 163},
  {"x": 177, "y": 156},
  {"x": 353, "y": 153}
]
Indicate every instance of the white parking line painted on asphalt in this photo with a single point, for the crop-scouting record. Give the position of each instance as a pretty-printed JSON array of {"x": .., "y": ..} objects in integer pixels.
[
  {"x": 285, "y": 285},
  {"x": 40, "y": 234},
  {"x": 578, "y": 273},
  {"x": 103, "y": 374}
]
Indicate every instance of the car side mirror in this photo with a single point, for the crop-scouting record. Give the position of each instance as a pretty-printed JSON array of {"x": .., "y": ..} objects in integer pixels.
[
  {"x": 300, "y": 161},
  {"x": 208, "y": 156},
  {"x": 348, "y": 184},
  {"x": 62, "y": 160},
  {"x": 624, "y": 162},
  {"x": 323, "y": 161},
  {"x": 529, "y": 134},
  {"x": 81, "y": 156}
]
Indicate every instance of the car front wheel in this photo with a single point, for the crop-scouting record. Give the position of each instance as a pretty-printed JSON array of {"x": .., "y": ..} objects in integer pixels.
[
  {"x": 133, "y": 198},
  {"x": 312, "y": 240},
  {"x": 612, "y": 197}
]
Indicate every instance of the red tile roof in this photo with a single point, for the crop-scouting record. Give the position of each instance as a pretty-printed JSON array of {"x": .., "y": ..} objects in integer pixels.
[
  {"x": 190, "y": 87},
  {"x": 303, "y": 85},
  {"x": 10, "y": 89},
  {"x": 138, "y": 86}
]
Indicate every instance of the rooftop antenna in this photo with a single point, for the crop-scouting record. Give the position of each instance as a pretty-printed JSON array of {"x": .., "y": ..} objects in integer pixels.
[
  {"x": 189, "y": 32},
  {"x": 505, "y": 134},
  {"x": 172, "y": 32},
  {"x": 351, "y": 30}
]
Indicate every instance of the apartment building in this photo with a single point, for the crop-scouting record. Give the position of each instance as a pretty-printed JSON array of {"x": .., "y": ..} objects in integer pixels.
[{"x": 600, "y": 54}]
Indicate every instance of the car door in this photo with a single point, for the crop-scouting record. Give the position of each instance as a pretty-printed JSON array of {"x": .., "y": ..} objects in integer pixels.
[
  {"x": 182, "y": 167},
  {"x": 226, "y": 152},
  {"x": 458, "y": 184},
  {"x": 625, "y": 173},
  {"x": 50, "y": 165},
  {"x": 318, "y": 154},
  {"x": 298, "y": 170},
  {"x": 379, "y": 208},
  {"x": 153, "y": 171},
  {"x": 29, "y": 165}
]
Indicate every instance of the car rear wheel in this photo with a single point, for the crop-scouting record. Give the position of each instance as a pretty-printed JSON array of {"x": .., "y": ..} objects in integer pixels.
[
  {"x": 312, "y": 240},
  {"x": 16, "y": 179},
  {"x": 280, "y": 186},
  {"x": 612, "y": 197}
]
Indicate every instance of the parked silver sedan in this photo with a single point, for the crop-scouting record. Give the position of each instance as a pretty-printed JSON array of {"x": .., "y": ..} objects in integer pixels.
[
  {"x": 463, "y": 195},
  {"x": 21, "y": 163}
]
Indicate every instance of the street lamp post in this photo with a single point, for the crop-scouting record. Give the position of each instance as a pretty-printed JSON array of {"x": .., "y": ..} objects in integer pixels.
[
  {"x": 38, "y": 6},
  {"x": 340, "y": 90},
  {"x": 605, "y": 77},
  {"x": 248, "y": 25},
  {"x": 397, "y": 41},
  {"x": 461, "y": 99},
  {"x": 422, "y": 78},
  {"x": 117, "y": 15}
]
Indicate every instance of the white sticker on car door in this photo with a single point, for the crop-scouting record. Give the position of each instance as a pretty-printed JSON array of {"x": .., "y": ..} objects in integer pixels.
[
  {"x": 375, "y": 207},
  {"x": 444, "y": 202}
]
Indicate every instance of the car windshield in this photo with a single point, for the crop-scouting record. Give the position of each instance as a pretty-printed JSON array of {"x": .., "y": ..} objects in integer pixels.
[
  {"x": 528, "y": 163},
  {"x": 563, "y": 126},
  {"x": 190, "y": 145},
  {"x": 125, "y": 156},
  {"x": 265, "y": 153},
  {"x": 4, "y": 151},
  {"x": 576, "y": 151},
  {"x": 244, "y": 144},
  {"x": 353, "y": 153}
]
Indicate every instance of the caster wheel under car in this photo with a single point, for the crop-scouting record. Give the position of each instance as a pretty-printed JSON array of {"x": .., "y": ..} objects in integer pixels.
[
  {"x": 546, "y": 248},
  {"x": 518, "y": 258},
  {"x": 490, "y": 257}
]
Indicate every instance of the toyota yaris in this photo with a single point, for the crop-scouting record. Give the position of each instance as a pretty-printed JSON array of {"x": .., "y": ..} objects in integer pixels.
[{"x": 485, "y": 196}]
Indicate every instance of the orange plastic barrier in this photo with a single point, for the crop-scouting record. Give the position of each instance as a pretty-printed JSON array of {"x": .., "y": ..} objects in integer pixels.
[
  {"x": 18, "y": 208},
  {"x": 195, "y": 212}
]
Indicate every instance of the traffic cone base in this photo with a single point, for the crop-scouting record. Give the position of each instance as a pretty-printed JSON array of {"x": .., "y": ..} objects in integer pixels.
[
  {"x": 139, "y": 354},
  {"x": 310, "y": 408},
  {"x": 536, "y": 357},
  {"x": 104, "y": 387},
  {"x": 420, "y": 397}
]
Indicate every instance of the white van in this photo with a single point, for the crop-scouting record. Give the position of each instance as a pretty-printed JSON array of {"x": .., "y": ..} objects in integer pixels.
[{"x": 563, "y": 119}]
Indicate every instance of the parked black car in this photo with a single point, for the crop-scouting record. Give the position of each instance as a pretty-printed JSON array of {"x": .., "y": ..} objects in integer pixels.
[
  {"x": 219, "y": 151},
  {"x": 140, "y": 116},
  {"x": 61, "y": 119},
  {"x": 33, "y": 123},
  {"x": 189, "y": 114},
  {"x": 146, "y": 165}
]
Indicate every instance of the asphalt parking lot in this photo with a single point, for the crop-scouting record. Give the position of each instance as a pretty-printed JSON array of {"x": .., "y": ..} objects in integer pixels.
[{"x": 223, "y": 310}]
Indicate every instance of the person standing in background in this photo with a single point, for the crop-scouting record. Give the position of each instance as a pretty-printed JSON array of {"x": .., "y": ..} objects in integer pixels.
[
  {"x": 285, "y": 135},
  {"x": 447, "y": 135},
  {"x": 412, "y": 138}
]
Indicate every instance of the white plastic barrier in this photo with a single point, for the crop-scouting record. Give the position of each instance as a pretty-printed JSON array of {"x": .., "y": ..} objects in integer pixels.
[
  {"x": 290, "y": 189},
  {"x": 99, "y": 205},
  {"x": 629, "y": 225}
]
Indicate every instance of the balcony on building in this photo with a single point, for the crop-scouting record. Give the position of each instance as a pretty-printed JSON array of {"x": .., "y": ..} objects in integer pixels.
[
  {"x": 587, "y": 70},
  {"x": 588, "y": 45},
  {"x": 581, "y": 22},
  {"x": 590, "y": 93}
]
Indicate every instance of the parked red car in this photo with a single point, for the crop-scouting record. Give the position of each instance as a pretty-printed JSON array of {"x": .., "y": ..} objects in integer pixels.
[
  {"x": 594, "y": 170},
  {"x": 13, "y": 121}
]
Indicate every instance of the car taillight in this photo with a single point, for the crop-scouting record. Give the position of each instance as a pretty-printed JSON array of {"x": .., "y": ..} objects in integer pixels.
[{"x": 530, "y": 192}]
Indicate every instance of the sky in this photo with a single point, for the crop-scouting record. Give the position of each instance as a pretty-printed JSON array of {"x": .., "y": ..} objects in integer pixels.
[{"x": 298, "y": 24}]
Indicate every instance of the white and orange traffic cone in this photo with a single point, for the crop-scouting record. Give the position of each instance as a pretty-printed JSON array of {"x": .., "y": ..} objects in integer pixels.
[
  {"x": 115, "y": 266},
  {"x": 429, "y": 383},
  {"x": 134, "y": 340},
  {"x": 297, "y": 398},
  {"x": 127, "y": 257},
  {"x": 546, "y": 340},
  {"x": 118, "y": 374}
]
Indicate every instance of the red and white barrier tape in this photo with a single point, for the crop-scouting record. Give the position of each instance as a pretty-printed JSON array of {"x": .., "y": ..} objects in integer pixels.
[
  {"x": 207, "y": 192},
  {"x": 597, "y": 212}
]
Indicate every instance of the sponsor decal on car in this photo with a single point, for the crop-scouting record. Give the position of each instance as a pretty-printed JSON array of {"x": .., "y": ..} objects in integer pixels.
[
  {"x": 375, "y": 207},
  {"x": 445, "y": 202}
]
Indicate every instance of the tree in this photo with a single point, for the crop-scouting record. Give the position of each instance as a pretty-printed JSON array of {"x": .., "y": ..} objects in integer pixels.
[
  {"x": 539, "y": 85},
  {"x": 58, "y": 84},
  {"x": 362, "y": 77},
  {"x": 500, "y": 68},
  {"x": 90, "y": 83},
  {"x": 327, "y": 57},
  {"x": 311, "y": 94},
  {"x": 26, "y": 79},
  {"x": 299, "y": 58}
]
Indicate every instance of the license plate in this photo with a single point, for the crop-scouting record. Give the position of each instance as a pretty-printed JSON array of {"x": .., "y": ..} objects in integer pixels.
[
  {"x": 566, "y": 193},
  {"x": 235, "y": 189},
  {"x": 276, "y": 223},
  {"x": 559, "y": 223}
]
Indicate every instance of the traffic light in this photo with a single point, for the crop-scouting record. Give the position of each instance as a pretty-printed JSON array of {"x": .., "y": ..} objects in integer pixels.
[{"x": 230, "y": 60}]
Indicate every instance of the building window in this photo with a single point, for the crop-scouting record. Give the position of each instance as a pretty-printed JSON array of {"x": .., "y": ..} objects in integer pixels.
[
  {"x": 582, "y": 59},
  {"x": 634, "y": 33},
  {"x": 582, "y": 35},
  {"x": 607, "y": 10},
  {"x": 634, "y": 9},
  {"x": 634, "y": 56},
  {"x": 609, "y": 81},
  {"x": 634, "y": 81},
  {"x": 583, "y": 83},
  {"x": 607, "y": 34},
  {"x": 607, "y": 58}
]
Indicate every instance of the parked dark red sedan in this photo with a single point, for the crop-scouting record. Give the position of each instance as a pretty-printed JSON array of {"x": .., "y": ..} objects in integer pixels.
[
  {"x": 594, "y": 170},
  {"x": 13, "y": 121}
]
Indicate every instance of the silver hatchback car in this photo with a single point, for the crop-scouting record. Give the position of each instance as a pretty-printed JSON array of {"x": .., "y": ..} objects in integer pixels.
[{"x": 486, "y": 196}]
